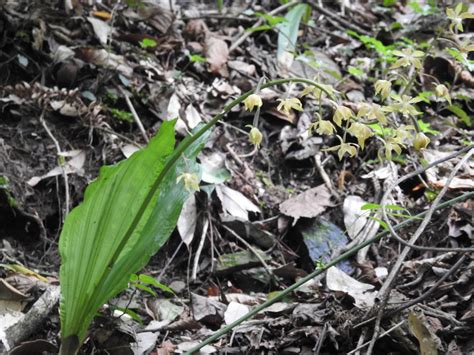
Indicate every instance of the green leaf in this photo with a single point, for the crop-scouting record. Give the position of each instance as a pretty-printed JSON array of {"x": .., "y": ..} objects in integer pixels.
[
  {"x": 196, "y": 58},
  {"x": 370, "y": 206},
  {"x": 131, "y": 313},
  {"x": 426, "y": 127},
  {"x": 97, "y": 260},
  {"x": 355, "y": 71},
  {"x": 458, "y": 111},
  {"x": 259, "y": 28},
  {"x": 152, "y": 281},
  {"x": 145, "y": 288},
  {"x": 148, "y": 43},
  {"x": 379, "y": 221},
  {"x": 271, "y": 20},
  {"x": 288, "y": 32}
]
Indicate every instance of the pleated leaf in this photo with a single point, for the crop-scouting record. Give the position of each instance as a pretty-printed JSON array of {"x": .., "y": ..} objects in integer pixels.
[{"x": 94, "y": 231}]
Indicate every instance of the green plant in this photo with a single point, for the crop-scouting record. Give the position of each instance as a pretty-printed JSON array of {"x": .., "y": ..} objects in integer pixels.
[
  {"x": 121, "y": 115},
  {"x": 127, "y": 215}
]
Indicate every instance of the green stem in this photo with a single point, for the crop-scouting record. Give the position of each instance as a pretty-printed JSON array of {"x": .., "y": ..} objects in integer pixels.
[
  {"x": 317, "y": 272},
  {"x": 183, "y": 146},
  {"x": 171, "y": 162}
]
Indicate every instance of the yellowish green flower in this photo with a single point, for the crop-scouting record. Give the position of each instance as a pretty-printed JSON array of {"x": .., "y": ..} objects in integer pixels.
[
  {"x": 403, "y": 133},
  {"x": 255, "y": 136},
  {"x": 316, "y": 91},
  {"x": 341, "y": 113},
  {"x": 286, "y": 105},
  {"x": 408, "y": 57},
  {"x": 372, "y": 112},
  {"x": 465, "y": 47},
  {"x": 361, "y": 132},
  {"x": 456, "y": 17},
  {"x": 391, "y": 145},
  {"x": 344, "y": 148},
  {"x": 191, "y": 181},
  {"x": 251, "y": 101},
  {"x": 383, "y": 87},
  {"x": 322, "y": 127},
  {"x": 421, "y": 141},
  {"x": 404, "y": 105},
  {"x": 443, "y": 92}
]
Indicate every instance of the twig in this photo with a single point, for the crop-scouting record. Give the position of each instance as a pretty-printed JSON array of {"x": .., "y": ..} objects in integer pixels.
[
  {"x": 321, "y": 338},
  {"x": 324, "y": 176},
  {"x": 433, "y": 288},
  {"x": 438, "y": 198},
  {"x": 199, "y": 250},
  {"x": 338, "y": 18},
  {"x": 251, "y": 248},
  {"x": 61, "y": 163},
  {"x": 317, "y": 272},
  {"x": 134, "y": 114},
  {"x": 125, "y": 138},
  {"x": 170, "y": 260},
  {"x": 419, "y": 298},
  {"x": 381, "y": 335},
  {"x": 386, "y": 287},
  {"x": 259, "y": 22}
]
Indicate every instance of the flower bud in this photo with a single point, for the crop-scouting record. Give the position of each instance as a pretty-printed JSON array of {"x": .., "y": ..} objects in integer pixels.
[
  {"x": 421, "y": 141},
  {"x": 443, "y": 92},
  {"x": 383, "y": 88},
  {"x": 255, "y": 136},
  {"x": 251, "y": 101}
]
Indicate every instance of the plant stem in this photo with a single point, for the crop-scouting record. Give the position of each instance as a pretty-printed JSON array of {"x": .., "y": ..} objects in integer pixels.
[
  {"x": 317, "y": 272},
  {"x": 184, "y": 145}
]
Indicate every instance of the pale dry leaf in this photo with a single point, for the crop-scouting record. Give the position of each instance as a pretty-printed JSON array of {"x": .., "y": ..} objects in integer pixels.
[
  {"x": 101, "y": 29},
  {"x": 107, "y": 60},
  {"x": 193, "y": 118},
  {"x": 146, "y": 341},
  {"x": 72, "y": 166},
  {"x": 187, "y": 220},
  {"x": 204, "y": 307},
  {"x": 128, "y": 150},
  {"x": 308, "y": 204},
  {"x": 235, "y": 311},
  {"x": 235, "y": 203},
  {"x": 355, "y": 219},
  {"x": 337, "y": 280},
  {"x": 217, "y": 54}
]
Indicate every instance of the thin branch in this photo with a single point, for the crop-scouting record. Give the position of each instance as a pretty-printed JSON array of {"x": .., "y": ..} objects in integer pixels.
[
  {"x": 61, "y": 163},
  {"x": 386, "y": 287},
  {"x": 134, "y": 114},
  {"x": 438, "y": 198},
  {"x": 317, "y": 272},
  {"x": 251, "y": 248},
  {"x": 199, "y": 250}
]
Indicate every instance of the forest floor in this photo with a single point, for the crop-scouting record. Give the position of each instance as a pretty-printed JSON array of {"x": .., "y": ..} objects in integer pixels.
[{"x": 87, "y": 86}]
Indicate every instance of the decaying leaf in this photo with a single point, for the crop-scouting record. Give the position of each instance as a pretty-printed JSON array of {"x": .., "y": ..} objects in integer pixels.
[
  {"x": 308, "y": 204},
  {"x": 217, "y": 54},
  {"x": 187, "y": 220},
  {"x": 354, "y": 218},
  {"x": 101, "y": 29},
  {"x": 337, "y": 280},
  {"x": 235, "y": 203},
  {"x": 421, "y": 332},
  {"x": 234, "y": 311}
]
